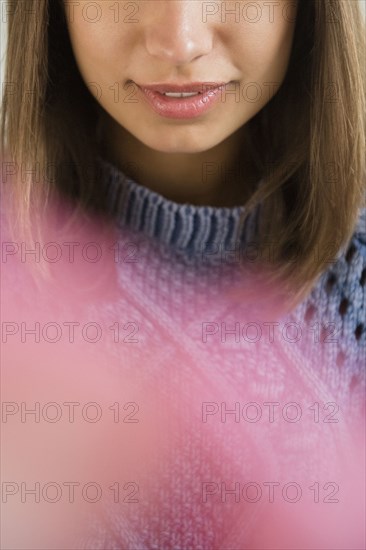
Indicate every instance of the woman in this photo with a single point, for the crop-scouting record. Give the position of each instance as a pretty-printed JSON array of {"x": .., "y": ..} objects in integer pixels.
[{"x": 225, "y": 143}]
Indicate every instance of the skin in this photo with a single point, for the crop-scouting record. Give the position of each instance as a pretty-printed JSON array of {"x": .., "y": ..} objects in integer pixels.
[{"x": 181, "y": 41}]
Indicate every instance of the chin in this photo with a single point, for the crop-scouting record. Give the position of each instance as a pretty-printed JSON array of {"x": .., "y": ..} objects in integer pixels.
[
  {"x": 179, "y": 150},
  {"x": 174, "y": 143}
]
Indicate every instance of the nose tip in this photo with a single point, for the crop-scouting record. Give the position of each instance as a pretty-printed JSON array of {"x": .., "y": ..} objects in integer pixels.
[
  {"x": 178, "y": 35},
  {"x": 175, "y": 51}
]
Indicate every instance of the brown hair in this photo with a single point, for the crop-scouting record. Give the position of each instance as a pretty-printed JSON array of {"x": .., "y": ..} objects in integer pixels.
[{"x": 308, "y": 141}]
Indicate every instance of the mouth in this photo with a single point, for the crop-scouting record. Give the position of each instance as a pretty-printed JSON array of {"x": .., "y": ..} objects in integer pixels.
[
  {"x": 182, "y": 101},
  {"x": 180, "y": 94},
  {"x": 185, "y": 90}
]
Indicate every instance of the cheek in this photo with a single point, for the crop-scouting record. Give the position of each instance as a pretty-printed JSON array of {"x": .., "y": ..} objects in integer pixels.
[
  {"x": 98, "y": 46},
  {"x": 263, "y": 48}
]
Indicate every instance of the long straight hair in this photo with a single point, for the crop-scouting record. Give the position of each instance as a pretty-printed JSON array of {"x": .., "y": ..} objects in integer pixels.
[{"x": 308, "y": 142}]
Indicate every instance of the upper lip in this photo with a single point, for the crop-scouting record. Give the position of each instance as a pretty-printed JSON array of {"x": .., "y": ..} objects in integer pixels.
[{"x": 182, "y": 88}]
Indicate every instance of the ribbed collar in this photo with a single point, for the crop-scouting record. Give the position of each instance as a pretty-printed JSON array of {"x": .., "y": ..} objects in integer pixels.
[{"x": 188, "y": 228}]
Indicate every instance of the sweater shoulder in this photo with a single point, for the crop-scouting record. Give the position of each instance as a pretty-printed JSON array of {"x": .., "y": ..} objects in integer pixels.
[
  {"x": 360, "y": 229},
  {"x": 342, "y": 286},
  {"x": 337, "y": 302}
]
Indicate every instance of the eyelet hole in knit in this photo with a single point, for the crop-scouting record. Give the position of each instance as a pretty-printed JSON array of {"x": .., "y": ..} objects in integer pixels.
[
  {"x": 331, "y": 281},
  {"x": 350, "y": 253},
  {"x": 359, "y": 330},
  {"x": 354, "y": 382},
  {"x": 325, "y": 334},
  {"x": 343, "y": 306},
  {"x": 363, "y": 277},
  {"x": 309, "y": 314}
]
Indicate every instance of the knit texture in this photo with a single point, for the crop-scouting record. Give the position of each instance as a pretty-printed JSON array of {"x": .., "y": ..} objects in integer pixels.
[
  {"x": 207, "y": 236},
  {"x": 231, "y": 396},
  {"x": 201, "y": 337}
]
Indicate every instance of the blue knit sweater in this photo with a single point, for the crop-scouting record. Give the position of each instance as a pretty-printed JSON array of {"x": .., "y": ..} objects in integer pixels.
[
  {"x": 314, "y": 356},
  {"x": 231, "y": 397},
  {"x": 206, "y": 236}
]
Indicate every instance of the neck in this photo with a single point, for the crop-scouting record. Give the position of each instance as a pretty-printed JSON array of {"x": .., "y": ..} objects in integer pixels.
[{"x": 222, "y": 176}]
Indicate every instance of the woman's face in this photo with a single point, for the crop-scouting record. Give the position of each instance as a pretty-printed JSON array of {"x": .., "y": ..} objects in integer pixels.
[{"x": 234, "y": 55}]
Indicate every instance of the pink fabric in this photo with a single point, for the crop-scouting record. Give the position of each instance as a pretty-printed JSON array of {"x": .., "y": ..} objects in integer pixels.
[{"x": 175, "y": 367}]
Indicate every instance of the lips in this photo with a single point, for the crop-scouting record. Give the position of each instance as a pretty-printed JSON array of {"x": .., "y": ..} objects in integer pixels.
[
  {"x": 181, "y": 101},
  {"x": 190, "y": 87}
]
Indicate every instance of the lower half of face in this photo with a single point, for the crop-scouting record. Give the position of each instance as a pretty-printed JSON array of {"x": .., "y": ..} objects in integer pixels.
[{"x": 182, "y": 76}]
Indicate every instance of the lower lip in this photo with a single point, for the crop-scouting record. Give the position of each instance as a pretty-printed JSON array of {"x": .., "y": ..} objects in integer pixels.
[{"x": 183, "y": 107}]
